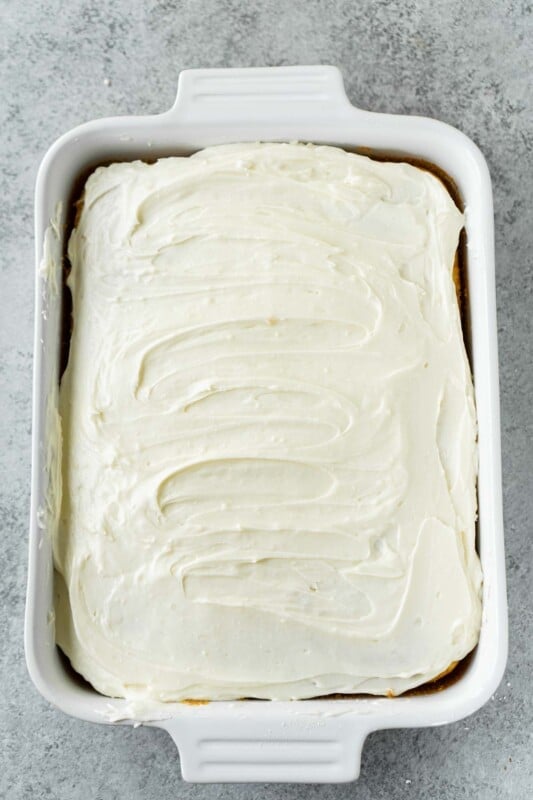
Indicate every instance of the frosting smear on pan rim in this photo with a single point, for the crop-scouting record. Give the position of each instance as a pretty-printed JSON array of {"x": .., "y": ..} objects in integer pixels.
[{"x": 269, "y": 433}]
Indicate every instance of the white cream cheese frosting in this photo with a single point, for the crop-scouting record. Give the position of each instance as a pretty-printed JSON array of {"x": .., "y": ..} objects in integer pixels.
[{"x": 269, "y": 434}]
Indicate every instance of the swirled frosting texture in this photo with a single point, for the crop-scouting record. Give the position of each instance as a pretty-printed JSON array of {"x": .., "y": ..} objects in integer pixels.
[{"x": 269, "y": 429}]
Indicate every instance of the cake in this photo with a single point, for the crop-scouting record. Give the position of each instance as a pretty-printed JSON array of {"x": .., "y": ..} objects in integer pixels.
[{"x": 269, "y": 432}]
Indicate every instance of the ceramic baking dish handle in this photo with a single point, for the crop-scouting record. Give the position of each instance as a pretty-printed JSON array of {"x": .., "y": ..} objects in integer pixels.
[
  {"x": 289, "y": 749},
  {"x": 216, "y": 96}
]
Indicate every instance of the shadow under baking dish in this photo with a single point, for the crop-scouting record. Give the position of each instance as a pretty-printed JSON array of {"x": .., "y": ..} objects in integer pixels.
[{"x": 457, "y": 670}]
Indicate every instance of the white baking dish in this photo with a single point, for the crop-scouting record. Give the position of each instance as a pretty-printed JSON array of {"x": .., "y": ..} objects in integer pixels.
[{"x": 312, "y": 740}]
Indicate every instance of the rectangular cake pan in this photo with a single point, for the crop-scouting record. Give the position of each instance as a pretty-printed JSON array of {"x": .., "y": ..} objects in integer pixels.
[{"x": 310, "y": 740}]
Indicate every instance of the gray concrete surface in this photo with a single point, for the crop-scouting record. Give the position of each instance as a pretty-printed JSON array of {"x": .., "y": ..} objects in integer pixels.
[{"x": 469, "y": 64}]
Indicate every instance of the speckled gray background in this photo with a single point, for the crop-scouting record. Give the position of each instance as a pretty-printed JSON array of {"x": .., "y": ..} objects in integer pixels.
[{"x": 468, "y": 63}]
